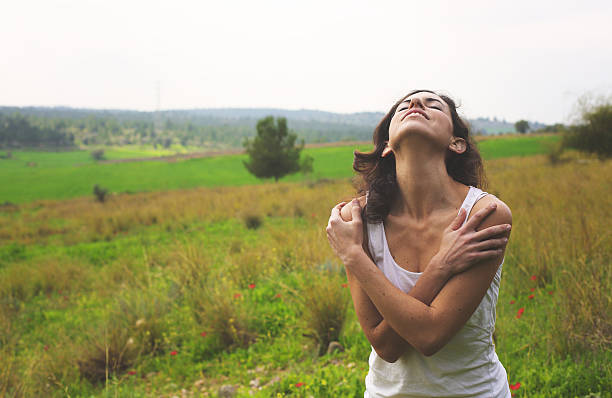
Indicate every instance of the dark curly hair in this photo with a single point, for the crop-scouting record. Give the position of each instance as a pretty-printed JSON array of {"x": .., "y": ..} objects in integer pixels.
[{"x": 377, "y": 174}]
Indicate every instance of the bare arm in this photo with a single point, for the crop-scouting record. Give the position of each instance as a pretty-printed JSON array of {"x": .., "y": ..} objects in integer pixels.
[
  {"x": 427, "y": 328},
  {"x": 386, "y": 342}
]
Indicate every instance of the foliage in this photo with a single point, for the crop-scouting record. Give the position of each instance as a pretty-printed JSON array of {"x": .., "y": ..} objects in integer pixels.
[
  {"x": 66, "y": 265},
  {"x": 58, "y": 178},
  {"x": 97, "y": 154},
  {"x": 325, "y": 302},
  {"x": 18, "y": 131},
  {"x": 522, "y": 126},
  {"x": 273, "y": 153},
  {"x": 593, "y": 133},
  {"x": 100, "y": 193}
]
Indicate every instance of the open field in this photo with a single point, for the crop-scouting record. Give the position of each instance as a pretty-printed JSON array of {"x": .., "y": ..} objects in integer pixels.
[
  {"x": 29, "y": 176},
  {"x": 179, "y": 293}
]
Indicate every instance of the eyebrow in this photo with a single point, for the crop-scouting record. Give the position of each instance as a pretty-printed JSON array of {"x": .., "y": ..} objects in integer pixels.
[{"x": 426, "y": 99}]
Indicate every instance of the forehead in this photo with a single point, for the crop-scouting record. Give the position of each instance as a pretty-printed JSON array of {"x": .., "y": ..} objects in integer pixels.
[{"x": 424, "y": 95}]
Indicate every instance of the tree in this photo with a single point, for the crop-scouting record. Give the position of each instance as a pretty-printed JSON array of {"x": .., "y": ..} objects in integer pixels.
[
  {"x": 521, "y": 126},
  {"x": 97, "y": 154},
  {"x": 272, "y": 152},
  {"x": 593, "y": 132}
]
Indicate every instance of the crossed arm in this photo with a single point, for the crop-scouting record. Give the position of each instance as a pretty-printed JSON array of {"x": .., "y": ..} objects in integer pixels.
[{"x": 433, "y": 311}]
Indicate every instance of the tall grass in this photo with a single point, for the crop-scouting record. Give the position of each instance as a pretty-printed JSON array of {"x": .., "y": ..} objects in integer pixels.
[{"x": 112, "y": 290}]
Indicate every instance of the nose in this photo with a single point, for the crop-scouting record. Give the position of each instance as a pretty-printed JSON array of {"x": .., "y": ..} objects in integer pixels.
[{"x": 414, "y": 101}]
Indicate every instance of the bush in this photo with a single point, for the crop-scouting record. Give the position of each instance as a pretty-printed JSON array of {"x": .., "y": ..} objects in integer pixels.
[
  {"x": 593, "y": 132},
  {"x": 252, "y": 221},
  {"x": 98, "y": 154},
  {"x": 100, "y": 193},
  {"x": 325, "y": 302}
]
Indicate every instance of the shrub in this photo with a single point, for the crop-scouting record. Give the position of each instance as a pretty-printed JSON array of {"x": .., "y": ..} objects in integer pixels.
[
  {"x": 593, "y": 132},
  {"x": 98, "y": 154},
  {"x": 100, "y": 193},
  {"x": 108, "y": 352},
  {"x": 220, "y": 310},
  {"x": 325, "y": 302},
  {"x": 554, "y": 152},
  {"x": 252, "y": 221}
]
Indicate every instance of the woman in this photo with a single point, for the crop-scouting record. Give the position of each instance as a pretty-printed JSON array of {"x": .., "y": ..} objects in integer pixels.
[{"x": 425, "y": 266}]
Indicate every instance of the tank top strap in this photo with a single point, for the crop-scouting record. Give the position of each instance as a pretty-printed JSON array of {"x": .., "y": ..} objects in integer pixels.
[{"x": 473, "y": 196}]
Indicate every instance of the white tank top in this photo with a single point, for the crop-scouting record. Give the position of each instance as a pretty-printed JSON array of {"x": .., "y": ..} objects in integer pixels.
[{"x": 467, "y": 366}]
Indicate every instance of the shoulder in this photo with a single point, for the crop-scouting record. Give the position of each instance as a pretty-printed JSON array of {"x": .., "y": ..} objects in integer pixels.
[
  {"x": 501, "y": 215},
  {"x": 345, "y": 212}
]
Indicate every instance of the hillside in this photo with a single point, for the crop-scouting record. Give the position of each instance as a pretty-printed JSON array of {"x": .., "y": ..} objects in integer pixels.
[{"x": 202, "y": 128}]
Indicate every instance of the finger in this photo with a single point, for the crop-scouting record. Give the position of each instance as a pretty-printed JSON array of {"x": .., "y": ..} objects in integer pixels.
[
  {"x": 338, "y": 206},
  {"x": 458, "y": 221},
  {"x": 491, "y": 244},
  {"x": 480, "y": 215},
  {"x": 492, "y": 231},
  {"x": 356, "y": 210},
  {"x": 488, "y": 254},
  {"x": 335, "y": 213}
]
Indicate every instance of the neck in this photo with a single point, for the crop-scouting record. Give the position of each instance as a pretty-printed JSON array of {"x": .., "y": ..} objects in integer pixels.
[{"x": 424, "y": 184}]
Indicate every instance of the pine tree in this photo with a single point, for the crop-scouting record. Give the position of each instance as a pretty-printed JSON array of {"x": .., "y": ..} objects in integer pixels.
[{"x": 273, "y": 152}]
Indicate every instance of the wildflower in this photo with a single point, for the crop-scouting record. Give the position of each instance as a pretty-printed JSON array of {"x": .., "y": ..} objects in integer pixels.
[
  {"x": 345, "y": 285},
  {"x": 530, "y": 297},
  {"x": 532, "y": 289},
  {"x": 46, "y": 348},
  {"x": 278, "y": 295},
  {"x": 203, "y": 334},
  {"x": 131, "y": 372},
  {"x": 300, "y": 384},
  {"x": 512, "y": 301},
  {"x": 515, "y": 387},
  {"x": 252, "y": 286},
  {"x": 520, "y": 313},
  {"x": 237, "y": 295},
  {"x": 551, "y": 292},
  {"x": 533, "y": 277},
  {"x": 173, "y": 353}
]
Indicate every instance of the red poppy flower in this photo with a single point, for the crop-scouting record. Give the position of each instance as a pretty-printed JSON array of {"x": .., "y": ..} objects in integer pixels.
[
  {"x": 515, "y": 387},
  {"x": 237, "y": 295},
  {"x": 520, "y": 313},
  {"x": 278, "y": 295},
  {"x": 300, "y": 384},
  {"x": 252, "y": 286},
  {"x": 46, "y": 348},
  {"x": 532, "y": 289},
  {"x": 131, "y": 372},
  {"x": 173, "y": 353},
  {"x": 533, "y": 277},
  {"x": 512, "y": 301},
  {"x": 203, "y": 334},
  {"x": 551, "y": 292},
  {"x": 345, "y": 285},
  {"x": 530, "y": 296}
]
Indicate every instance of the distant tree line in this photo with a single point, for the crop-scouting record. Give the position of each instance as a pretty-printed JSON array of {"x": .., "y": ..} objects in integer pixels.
[{"x": 19, "y": 131}]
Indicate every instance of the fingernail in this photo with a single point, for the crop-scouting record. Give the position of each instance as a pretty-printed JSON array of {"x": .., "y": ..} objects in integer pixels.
[
  {"x": 508, "y": 227},
  {"x": 493, "y": 205}
]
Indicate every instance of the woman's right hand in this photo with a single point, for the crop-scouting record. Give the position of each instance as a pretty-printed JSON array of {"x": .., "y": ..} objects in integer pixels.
[{"x": 462, "y": 246}]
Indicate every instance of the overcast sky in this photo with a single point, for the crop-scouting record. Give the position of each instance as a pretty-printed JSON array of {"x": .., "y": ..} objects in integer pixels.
[{"x": 513, "y": 60}]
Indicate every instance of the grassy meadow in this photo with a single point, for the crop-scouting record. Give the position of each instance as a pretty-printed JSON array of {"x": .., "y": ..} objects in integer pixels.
[
  {"x": 29, "y": 175},
  {"x": 193, "y": 292}
]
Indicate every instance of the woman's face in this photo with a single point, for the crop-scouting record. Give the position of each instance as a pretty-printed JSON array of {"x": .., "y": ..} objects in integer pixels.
[{"x": 421, "y": 113}]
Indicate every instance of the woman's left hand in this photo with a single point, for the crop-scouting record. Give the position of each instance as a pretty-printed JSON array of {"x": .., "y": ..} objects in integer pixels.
[{"x": 346, "y": 237}]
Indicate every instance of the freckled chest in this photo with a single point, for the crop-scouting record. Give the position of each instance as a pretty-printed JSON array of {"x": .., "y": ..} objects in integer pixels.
[{"x": 413, "y": 244}]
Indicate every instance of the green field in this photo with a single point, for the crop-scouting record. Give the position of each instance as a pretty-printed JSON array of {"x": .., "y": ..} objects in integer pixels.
[
  {"x": 62, "y": 175},
  {"x": 181, "y": 292}
]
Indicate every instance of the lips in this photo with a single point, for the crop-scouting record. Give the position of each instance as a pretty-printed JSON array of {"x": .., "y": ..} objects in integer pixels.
[{"x": 414, "y": 110}]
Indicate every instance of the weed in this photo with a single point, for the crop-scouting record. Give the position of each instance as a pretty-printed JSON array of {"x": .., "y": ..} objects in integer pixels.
[
  {"x": 252, "y": 221},
  {"x": 324, "y": 304}
]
